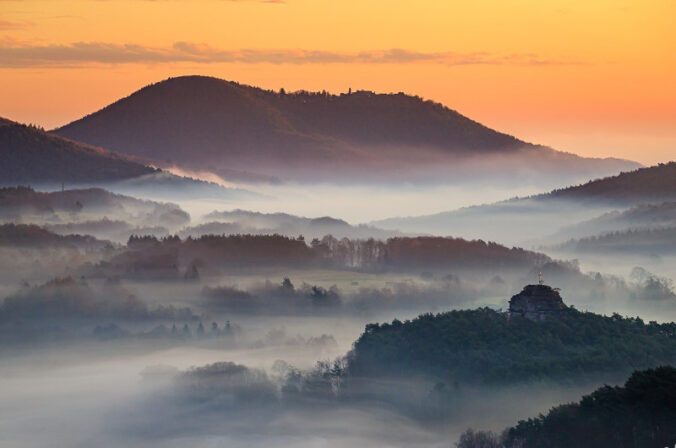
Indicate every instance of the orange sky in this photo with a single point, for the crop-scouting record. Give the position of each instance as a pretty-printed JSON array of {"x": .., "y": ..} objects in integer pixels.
[{"x": 591, "y": 77}]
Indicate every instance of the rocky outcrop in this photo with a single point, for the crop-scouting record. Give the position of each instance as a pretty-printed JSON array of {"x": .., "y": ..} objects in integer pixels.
[{"x": 537, "y": 302}]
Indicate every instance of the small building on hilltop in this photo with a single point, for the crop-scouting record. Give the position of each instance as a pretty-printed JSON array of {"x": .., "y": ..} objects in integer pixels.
[{"x": 537, "y": 302}]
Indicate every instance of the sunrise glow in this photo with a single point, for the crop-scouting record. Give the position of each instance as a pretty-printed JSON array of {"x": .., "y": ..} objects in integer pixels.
[{"x": 594, "y": 78}]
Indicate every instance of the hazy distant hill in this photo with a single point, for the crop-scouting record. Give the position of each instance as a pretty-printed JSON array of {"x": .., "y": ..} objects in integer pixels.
[
  {"x": 642, "y": 216},
  {"x": 645, "y": 241},
  {"x": 248, "y": 222},
  {"x": 221, "y": 126},
  {"x": 28, "y": 235},
  {"x": 651, "y": 184},
  {"x": 31, "y": 155},
  {"x": 23, "y": 204},
  {"x": 523, "y": 219}
]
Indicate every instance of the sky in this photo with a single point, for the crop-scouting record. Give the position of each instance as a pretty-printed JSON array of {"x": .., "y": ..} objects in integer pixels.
[{"x": 596, "y": 78}]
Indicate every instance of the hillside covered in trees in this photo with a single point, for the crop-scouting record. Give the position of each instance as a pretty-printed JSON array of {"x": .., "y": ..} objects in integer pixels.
[
  {"x": 641, "y": 413},
  {"x": 229, "y": 128},
  {"x": 657, "y": 241},
  {"x": 245, "y": 221},
  {"x": 24, "y": 204},
  {"x": 641, "y": 216},
  {"x": 28, "y": 235},
  {"x": 484, "y": 347},
  {"x": 31, "y": 155},
  {"x": 647, "y": 194},
  {"x": 654, "y": 184},
  {"x": 170, "y": 256}
]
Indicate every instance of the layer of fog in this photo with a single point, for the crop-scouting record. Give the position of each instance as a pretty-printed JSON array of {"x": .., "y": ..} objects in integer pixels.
[
  {"x": 359, "y": 203},
  {"x": 85, "y": 395},
  {"x": 123, "y": 392},
  {"x": 450, "y": 209},
  {"x": 86, "y": 391}
]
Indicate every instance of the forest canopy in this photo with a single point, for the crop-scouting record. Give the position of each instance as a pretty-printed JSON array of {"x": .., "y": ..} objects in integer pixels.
[
  {"x": 483, "y": 346},
  {"x": 642, "y": 413}
]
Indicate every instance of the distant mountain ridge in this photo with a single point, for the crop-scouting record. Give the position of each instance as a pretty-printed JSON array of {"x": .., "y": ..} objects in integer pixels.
[
  {"x": 249, "y": 222},
  {"x": 211, "y": 124},
  {"x": 639, "y": 217},
  {"x": 544, "y": 214},
  {"x": 654, "y": 184},
  {"x": 23, "y": 204}
]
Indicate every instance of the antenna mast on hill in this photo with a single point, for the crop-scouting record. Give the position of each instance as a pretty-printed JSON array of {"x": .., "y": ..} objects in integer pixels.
[{"x": 540, "y": 277}]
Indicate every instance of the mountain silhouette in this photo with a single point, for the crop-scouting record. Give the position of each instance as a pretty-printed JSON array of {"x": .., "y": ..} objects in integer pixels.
[
  {"x": 211, "y": 124},
  {"x": 30, "y": 155}
]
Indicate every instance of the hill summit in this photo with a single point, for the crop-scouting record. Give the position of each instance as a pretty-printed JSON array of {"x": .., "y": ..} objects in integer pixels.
[
  {"x": 537, "y": 302},
  {"x": 225, "y": 127}
]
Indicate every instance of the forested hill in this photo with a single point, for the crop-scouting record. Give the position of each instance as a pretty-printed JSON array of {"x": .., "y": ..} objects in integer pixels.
[
  {"x": 27, "y": 235},
  {"x": 85, "y": 204},
  {"x": 484, "y": 347},
  {"x": 150, "y": 255},
  {"x": 652, "y": 184},
  {"x": 542, "y": 214},
  {"x": 649, "y": 242},
  {"x": 642, "y": 413},
  {"x": 221, "y": 126},
  {"x": 29, "y": 155}
]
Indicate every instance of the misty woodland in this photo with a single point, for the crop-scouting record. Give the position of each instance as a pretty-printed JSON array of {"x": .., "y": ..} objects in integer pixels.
[{"x": 289, "y": 223}]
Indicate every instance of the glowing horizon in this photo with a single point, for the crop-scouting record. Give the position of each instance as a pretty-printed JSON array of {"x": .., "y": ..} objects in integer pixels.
[{"x": 593, "y": 79}]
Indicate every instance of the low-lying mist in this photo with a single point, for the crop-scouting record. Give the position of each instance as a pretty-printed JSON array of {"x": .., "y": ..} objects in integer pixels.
[
  {"x": 228, "y": 335},
  {"x": 84, "y": 395}
]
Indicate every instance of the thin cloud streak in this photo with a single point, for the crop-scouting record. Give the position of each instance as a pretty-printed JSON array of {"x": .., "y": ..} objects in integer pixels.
[
  {"x": 278, "y": 2},
  {"x": 14, "y": 54},
  {"x": 9, "y": 25}
]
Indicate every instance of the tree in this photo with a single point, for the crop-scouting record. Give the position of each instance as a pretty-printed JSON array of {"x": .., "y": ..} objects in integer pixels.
[
  {"x": 287, "y": 286},
  {"x": 479, "y": 439}
]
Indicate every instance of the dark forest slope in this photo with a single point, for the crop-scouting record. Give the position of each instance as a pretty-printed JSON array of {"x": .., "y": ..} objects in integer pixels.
[
  {"x": 30, "y": 155},
  {"x": 642, "y": 413},
  {"x": 485, "y": 347}
]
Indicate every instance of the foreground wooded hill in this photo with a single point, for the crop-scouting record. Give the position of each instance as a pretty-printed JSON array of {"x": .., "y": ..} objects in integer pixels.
[
  {"x": 642, "y": 413},
  {"x": 484, "y": 347}
]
